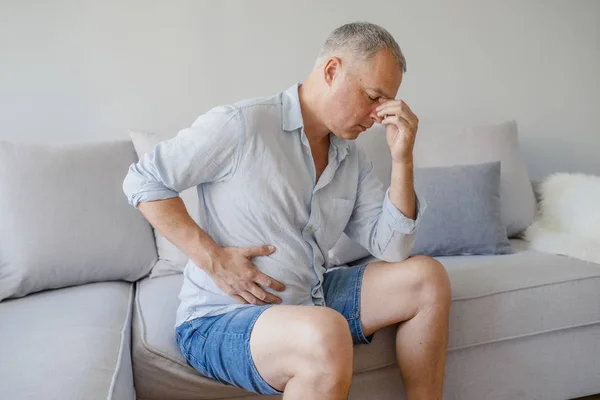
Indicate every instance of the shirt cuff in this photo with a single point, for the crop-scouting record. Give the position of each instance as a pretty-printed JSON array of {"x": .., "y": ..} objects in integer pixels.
[
  {"x": 397, "y": 221},
  {"x": 152, "y": 193}
]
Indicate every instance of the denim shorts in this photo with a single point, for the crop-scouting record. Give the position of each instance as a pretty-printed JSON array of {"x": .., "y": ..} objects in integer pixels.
[{"x": 219, "y": 346}]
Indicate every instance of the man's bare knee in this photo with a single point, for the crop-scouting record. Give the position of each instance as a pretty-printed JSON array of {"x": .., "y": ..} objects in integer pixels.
[
  {"x": 327, "y": 354},
  {"x": 434, "y": 285},
  {"x": 312, "y": 345},
  {"x": 328, "y": 337}
]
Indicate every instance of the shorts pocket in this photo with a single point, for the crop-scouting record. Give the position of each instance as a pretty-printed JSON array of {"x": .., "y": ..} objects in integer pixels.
[
  {"x": 195, "y": 354},
  {"x": 192, "y": 343}
]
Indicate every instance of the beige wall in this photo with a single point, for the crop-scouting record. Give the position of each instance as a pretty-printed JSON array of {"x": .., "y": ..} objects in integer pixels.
[{"x": 75, "y": 71}]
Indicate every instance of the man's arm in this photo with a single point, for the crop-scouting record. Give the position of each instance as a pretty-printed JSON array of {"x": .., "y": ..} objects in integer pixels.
[
  {"x": 171, "y": 218},
  {"x": 401, "y": 131},
  {"x": 386, "y": 229},
  {"x": 205, "y": 152},
  {"x": 387, "y": 226},
  {"x": 402, "y": 192},
  {"x": 230, "y": 265}
]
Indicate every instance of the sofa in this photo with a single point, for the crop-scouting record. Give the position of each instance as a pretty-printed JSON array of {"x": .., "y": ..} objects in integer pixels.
[{"x": 81, "y": 318}]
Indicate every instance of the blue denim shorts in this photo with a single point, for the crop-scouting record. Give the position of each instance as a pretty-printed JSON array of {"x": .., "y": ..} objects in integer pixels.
[{"x": 219, "y": 346}]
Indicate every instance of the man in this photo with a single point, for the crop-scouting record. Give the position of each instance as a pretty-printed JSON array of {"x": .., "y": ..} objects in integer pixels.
[{"x": 280, "y": 179}]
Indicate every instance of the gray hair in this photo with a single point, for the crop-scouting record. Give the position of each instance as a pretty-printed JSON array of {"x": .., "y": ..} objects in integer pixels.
[{"x": 362, "y": 39}]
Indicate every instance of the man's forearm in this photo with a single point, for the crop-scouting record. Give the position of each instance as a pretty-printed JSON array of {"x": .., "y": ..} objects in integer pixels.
[
  {"x": 402, "y": 192},
  {"x": 171, "y": 218}
]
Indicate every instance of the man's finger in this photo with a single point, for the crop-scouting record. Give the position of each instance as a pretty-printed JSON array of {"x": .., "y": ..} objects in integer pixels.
[
  {"x": 267, "y": 281},
  {"x": 395, "y": 107},
  {"x": 394, "y": 119},
  {"x": 239, "y": 299},
  {"x": 251, "y": 299},
  {"x": 256, "y": 251},
  {"x": 398, "y": 108},
  {"x": 412, "y": 121},
  {"x": 394, "y": 103},
  {"x": 263, "y": 295},
  {"x": 389, "y": 105}
]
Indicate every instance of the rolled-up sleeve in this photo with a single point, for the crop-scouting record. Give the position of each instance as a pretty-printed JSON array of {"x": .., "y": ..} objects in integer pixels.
[
  {"x": 207, "y": 151},
  {"x": 378, "y": 225}
]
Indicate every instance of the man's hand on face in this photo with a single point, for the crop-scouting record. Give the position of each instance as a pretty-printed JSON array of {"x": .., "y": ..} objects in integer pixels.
[
  {"x": 233, "y": 272},
  {"x": 401, "y": 128}
]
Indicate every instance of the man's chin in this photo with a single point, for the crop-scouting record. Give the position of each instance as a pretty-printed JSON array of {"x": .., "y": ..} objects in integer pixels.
[{"x": 347, "y": 135}]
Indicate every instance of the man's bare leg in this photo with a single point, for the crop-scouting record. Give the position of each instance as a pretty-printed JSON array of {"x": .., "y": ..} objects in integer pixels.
[
  {"x": 416, "y": 293},
  {"x": 304, "y": 351}
]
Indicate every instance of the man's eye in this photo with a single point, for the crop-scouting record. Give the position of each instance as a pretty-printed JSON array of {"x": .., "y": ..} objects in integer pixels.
[{"x": 373, "y": 98}]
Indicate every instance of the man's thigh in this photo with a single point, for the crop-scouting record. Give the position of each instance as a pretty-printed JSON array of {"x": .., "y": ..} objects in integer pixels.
[{"x": 219, "y": 348}]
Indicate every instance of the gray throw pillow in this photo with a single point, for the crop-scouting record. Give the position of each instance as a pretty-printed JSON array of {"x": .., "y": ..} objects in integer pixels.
[
  {"x": 64, "y": 220},
  {"x": 447, "y": 145},
  {"x": 463, "y": 211}
]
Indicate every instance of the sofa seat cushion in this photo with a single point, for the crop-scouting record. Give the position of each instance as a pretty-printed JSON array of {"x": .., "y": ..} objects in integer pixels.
[
  {"x": 160, "y": 370},
  {"x": 526, "y": 293},
  {"x": 70, "y": 343},
  {"x": 495, "y": 298},
  {"x": 516, "y": 295}
]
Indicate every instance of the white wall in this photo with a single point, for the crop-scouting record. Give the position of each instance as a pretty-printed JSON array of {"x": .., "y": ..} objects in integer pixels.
[{"x": 75, "y": 71}]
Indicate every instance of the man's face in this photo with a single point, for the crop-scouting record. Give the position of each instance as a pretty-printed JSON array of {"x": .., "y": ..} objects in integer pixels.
[{"x": 356, "y": 90}]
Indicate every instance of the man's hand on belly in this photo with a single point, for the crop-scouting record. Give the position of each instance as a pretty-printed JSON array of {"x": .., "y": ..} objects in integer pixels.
[{"x": 233, "y": 272}]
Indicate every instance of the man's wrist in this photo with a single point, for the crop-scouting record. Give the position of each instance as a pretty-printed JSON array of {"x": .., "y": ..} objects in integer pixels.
[
  {"x": 205, "y": 253},
  {"x": 406, "y": 162}
]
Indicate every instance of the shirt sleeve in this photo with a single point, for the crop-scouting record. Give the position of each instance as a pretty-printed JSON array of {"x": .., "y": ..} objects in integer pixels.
[
  {"x": 376, "y": 224},
  {"x": 207, "y": 151}
]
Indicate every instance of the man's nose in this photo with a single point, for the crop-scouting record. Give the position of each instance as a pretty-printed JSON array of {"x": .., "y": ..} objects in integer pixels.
[{"x": 374, "y": 117}]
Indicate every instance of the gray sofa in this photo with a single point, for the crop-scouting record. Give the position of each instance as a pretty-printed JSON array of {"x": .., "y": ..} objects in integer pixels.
[{"x": 522, "y": 326}]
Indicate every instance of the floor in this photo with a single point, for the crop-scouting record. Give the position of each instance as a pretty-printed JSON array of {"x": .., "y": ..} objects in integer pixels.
[{"x": 594, "y": 397}]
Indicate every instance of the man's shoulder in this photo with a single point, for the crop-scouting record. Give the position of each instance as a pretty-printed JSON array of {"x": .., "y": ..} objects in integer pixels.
[
  {"x": 257, "y": 103},
  {"x": 258, "y": 109}
]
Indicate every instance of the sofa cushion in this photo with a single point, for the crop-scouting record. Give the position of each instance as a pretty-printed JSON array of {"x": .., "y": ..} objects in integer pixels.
[
  {"x": 517, "y": 295},
  {"x": 495, "y": 298},
  {"x": 161, "y": 371},
  {"x": 64, "y": 219},
  {"x": 502, "y": 297},
  {"x": 463, "y": 211},
  {"x": 446, "y": 145},
  {"x": 71, "y": 343}
]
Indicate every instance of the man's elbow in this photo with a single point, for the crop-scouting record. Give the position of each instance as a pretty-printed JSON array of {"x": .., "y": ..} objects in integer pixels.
[{"x": 398, "y": 251}]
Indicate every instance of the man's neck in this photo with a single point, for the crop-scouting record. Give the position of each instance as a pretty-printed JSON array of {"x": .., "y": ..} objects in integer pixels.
[{"x": 316, "y": 132}]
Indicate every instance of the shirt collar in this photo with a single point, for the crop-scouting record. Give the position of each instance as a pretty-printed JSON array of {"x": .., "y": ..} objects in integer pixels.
[
  {"x": 292, "y": 119},
  {"x": 292, "y": 114}
]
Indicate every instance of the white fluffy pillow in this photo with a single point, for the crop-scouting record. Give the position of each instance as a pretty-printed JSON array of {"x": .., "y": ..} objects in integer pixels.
[
  {"x": 171, "y": 260},
  {"x": 568, "y": 221}
]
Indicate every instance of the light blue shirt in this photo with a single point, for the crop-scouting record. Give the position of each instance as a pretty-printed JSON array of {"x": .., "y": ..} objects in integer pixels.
[{"x": 252, "y": 166}]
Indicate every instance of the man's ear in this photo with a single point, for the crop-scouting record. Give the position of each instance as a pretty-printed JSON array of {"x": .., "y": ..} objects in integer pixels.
[{"x": 331, "y": 69}]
